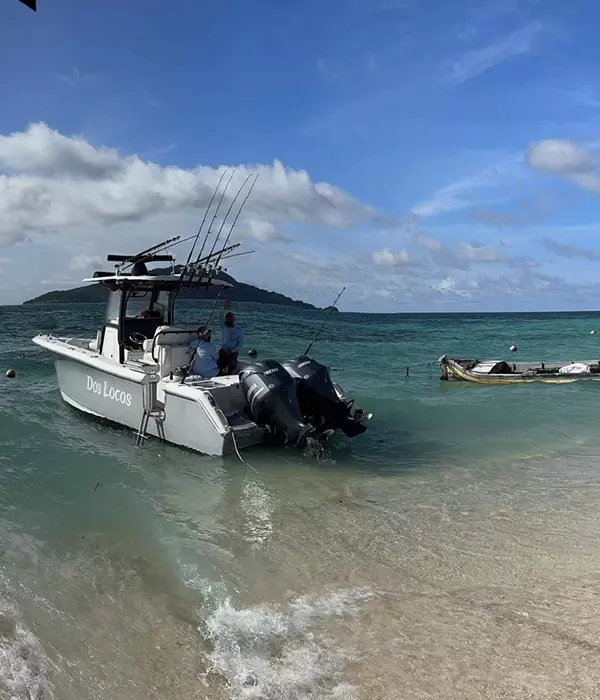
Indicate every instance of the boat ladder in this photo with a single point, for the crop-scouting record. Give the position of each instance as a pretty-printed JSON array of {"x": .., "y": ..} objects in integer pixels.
[{"x": 150, "y": 404}]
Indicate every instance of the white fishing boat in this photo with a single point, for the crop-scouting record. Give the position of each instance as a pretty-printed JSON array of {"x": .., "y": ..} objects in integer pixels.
[{"x": 135, "y": 372}]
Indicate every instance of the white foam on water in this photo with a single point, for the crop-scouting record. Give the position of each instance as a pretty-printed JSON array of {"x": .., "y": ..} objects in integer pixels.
[
  {"x": 283, "y": 652},
  {"x": 258, "y": 508},
  {"x": 24, "y": 668}
]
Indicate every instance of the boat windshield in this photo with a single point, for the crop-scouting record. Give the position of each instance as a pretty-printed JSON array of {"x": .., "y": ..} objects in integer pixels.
[
  {"x": 145, "y": 311},
  {"x": 139, "y": 305},
  {"x": 148, "y": 304},
  {"x": 113, "y": 307}
]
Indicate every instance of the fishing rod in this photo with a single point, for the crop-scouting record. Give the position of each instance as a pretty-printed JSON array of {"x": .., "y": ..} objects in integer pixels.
[
  {"x": 215, "y": 215},
  {"x": 204, "y": 262},
  {"x": 134, "y": 258},
  {"x": 233, "y": 201},
  {"x": 212, "y": 308},
  {"x": 237, "y": 255},
  {"x": 237, "y": 216},
  {"x": 212, "y": 199},
  {"x": 318, "y": 333}
]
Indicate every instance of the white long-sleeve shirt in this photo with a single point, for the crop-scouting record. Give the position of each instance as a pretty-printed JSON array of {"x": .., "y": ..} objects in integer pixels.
[{"x": 232, "y": 336}]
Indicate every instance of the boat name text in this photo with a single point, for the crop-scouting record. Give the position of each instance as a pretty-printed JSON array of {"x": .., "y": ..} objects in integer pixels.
[{"x": 108, "y": 392}]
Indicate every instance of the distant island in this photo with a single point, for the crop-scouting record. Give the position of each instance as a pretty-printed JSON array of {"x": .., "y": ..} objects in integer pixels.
[{"x": 240, "y": 291}]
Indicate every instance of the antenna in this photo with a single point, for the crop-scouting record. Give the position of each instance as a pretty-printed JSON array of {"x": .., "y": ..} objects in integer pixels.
[{"x": 318, "y": 333}]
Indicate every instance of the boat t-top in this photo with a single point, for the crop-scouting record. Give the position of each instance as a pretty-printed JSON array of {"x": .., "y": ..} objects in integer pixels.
[{"x": 136, "y": 371}]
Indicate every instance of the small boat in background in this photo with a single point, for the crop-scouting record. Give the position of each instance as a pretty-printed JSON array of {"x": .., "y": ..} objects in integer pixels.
[{"x": 502, "y": 372}]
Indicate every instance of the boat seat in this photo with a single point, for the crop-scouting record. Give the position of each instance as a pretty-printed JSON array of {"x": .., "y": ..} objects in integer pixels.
[{"x": 171, "y": 349}]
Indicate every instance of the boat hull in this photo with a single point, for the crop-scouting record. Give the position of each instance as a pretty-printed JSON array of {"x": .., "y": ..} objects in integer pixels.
[
  {"x": 99, "y": 393},
  {"x": 186, "y": 420},
  {"x": 525, "y": 373}
]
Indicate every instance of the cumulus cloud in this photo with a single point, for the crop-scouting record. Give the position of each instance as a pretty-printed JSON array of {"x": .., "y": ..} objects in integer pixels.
[
  {"x": 460, "y": 255},
  {"x": 559, "y": 156},
  {"x": 474, "y": 252},
  {"x": 562, "y": 157},
  {"x": 41, "y": 151},
  {"x": 50, "y": 181},
  {"x": 318, "y": 279},
  {"x": 387, "y": 258},
  {"x": 262, "y": 231}
]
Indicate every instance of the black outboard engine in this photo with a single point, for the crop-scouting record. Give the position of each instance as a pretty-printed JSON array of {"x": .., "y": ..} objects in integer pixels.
[
  {"x": 319, "y": 402},
  {"x": 271, "y": 393}
]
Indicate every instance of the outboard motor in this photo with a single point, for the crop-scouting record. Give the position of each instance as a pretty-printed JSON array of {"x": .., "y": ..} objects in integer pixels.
[
  {"x": 319, "y": 401},
  {"x": 271, "y": 393}
]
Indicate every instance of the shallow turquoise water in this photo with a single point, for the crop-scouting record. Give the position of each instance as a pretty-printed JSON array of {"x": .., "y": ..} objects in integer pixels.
[{"x": 449, "y": 552}]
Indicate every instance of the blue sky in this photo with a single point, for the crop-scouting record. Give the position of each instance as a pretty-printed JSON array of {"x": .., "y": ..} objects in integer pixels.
[{"x": 430, "y": 156}]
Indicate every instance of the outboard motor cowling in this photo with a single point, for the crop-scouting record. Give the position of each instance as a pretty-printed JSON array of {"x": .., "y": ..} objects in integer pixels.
[
  {"x": 319, "y": 401},
  {"x": 271, "y": 394}
]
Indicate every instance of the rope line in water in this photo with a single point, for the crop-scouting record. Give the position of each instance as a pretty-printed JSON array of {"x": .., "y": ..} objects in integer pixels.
[
  {"x": 237, "y": 451},
  {"x": 428, "y": 365}
]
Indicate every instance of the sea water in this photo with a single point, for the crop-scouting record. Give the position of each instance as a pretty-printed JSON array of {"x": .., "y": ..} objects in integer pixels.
[{"x": 450, "y": 552}]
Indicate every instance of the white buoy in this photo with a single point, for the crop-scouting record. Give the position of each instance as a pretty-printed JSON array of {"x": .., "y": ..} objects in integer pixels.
[
  {"x": 592, "y": 332},
  {"x": 10, "y": 373},
  {"x": 513, "y": 348}
]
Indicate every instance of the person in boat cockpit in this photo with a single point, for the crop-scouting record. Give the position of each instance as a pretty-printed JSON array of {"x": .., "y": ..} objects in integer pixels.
[
  {"x": 205, "y": 354},
  {"x": 149, "y": 313},
  {"x": 232, "y": 340}
]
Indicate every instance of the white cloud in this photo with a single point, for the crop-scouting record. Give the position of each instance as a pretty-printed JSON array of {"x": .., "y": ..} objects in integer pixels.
[
  {"x": 84, "y": 261},
  {"x": 43, "y": 152},
  {"x": 560, "y": 156},
  {"x": 461, "y": 255},
  {"x": 450, "y": 286},
  {"x": 387, "y": 258},
  {"x": 52, "y": 181},
  {"x": 473, "y": 63},
  {"x": 479, "y": 253},
  {"x": 262, "y": 231},
  {"x": 563, "y": 157}
]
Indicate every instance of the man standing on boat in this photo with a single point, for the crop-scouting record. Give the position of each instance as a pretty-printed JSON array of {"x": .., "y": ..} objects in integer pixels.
[{"x": 232, "y": 340}]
